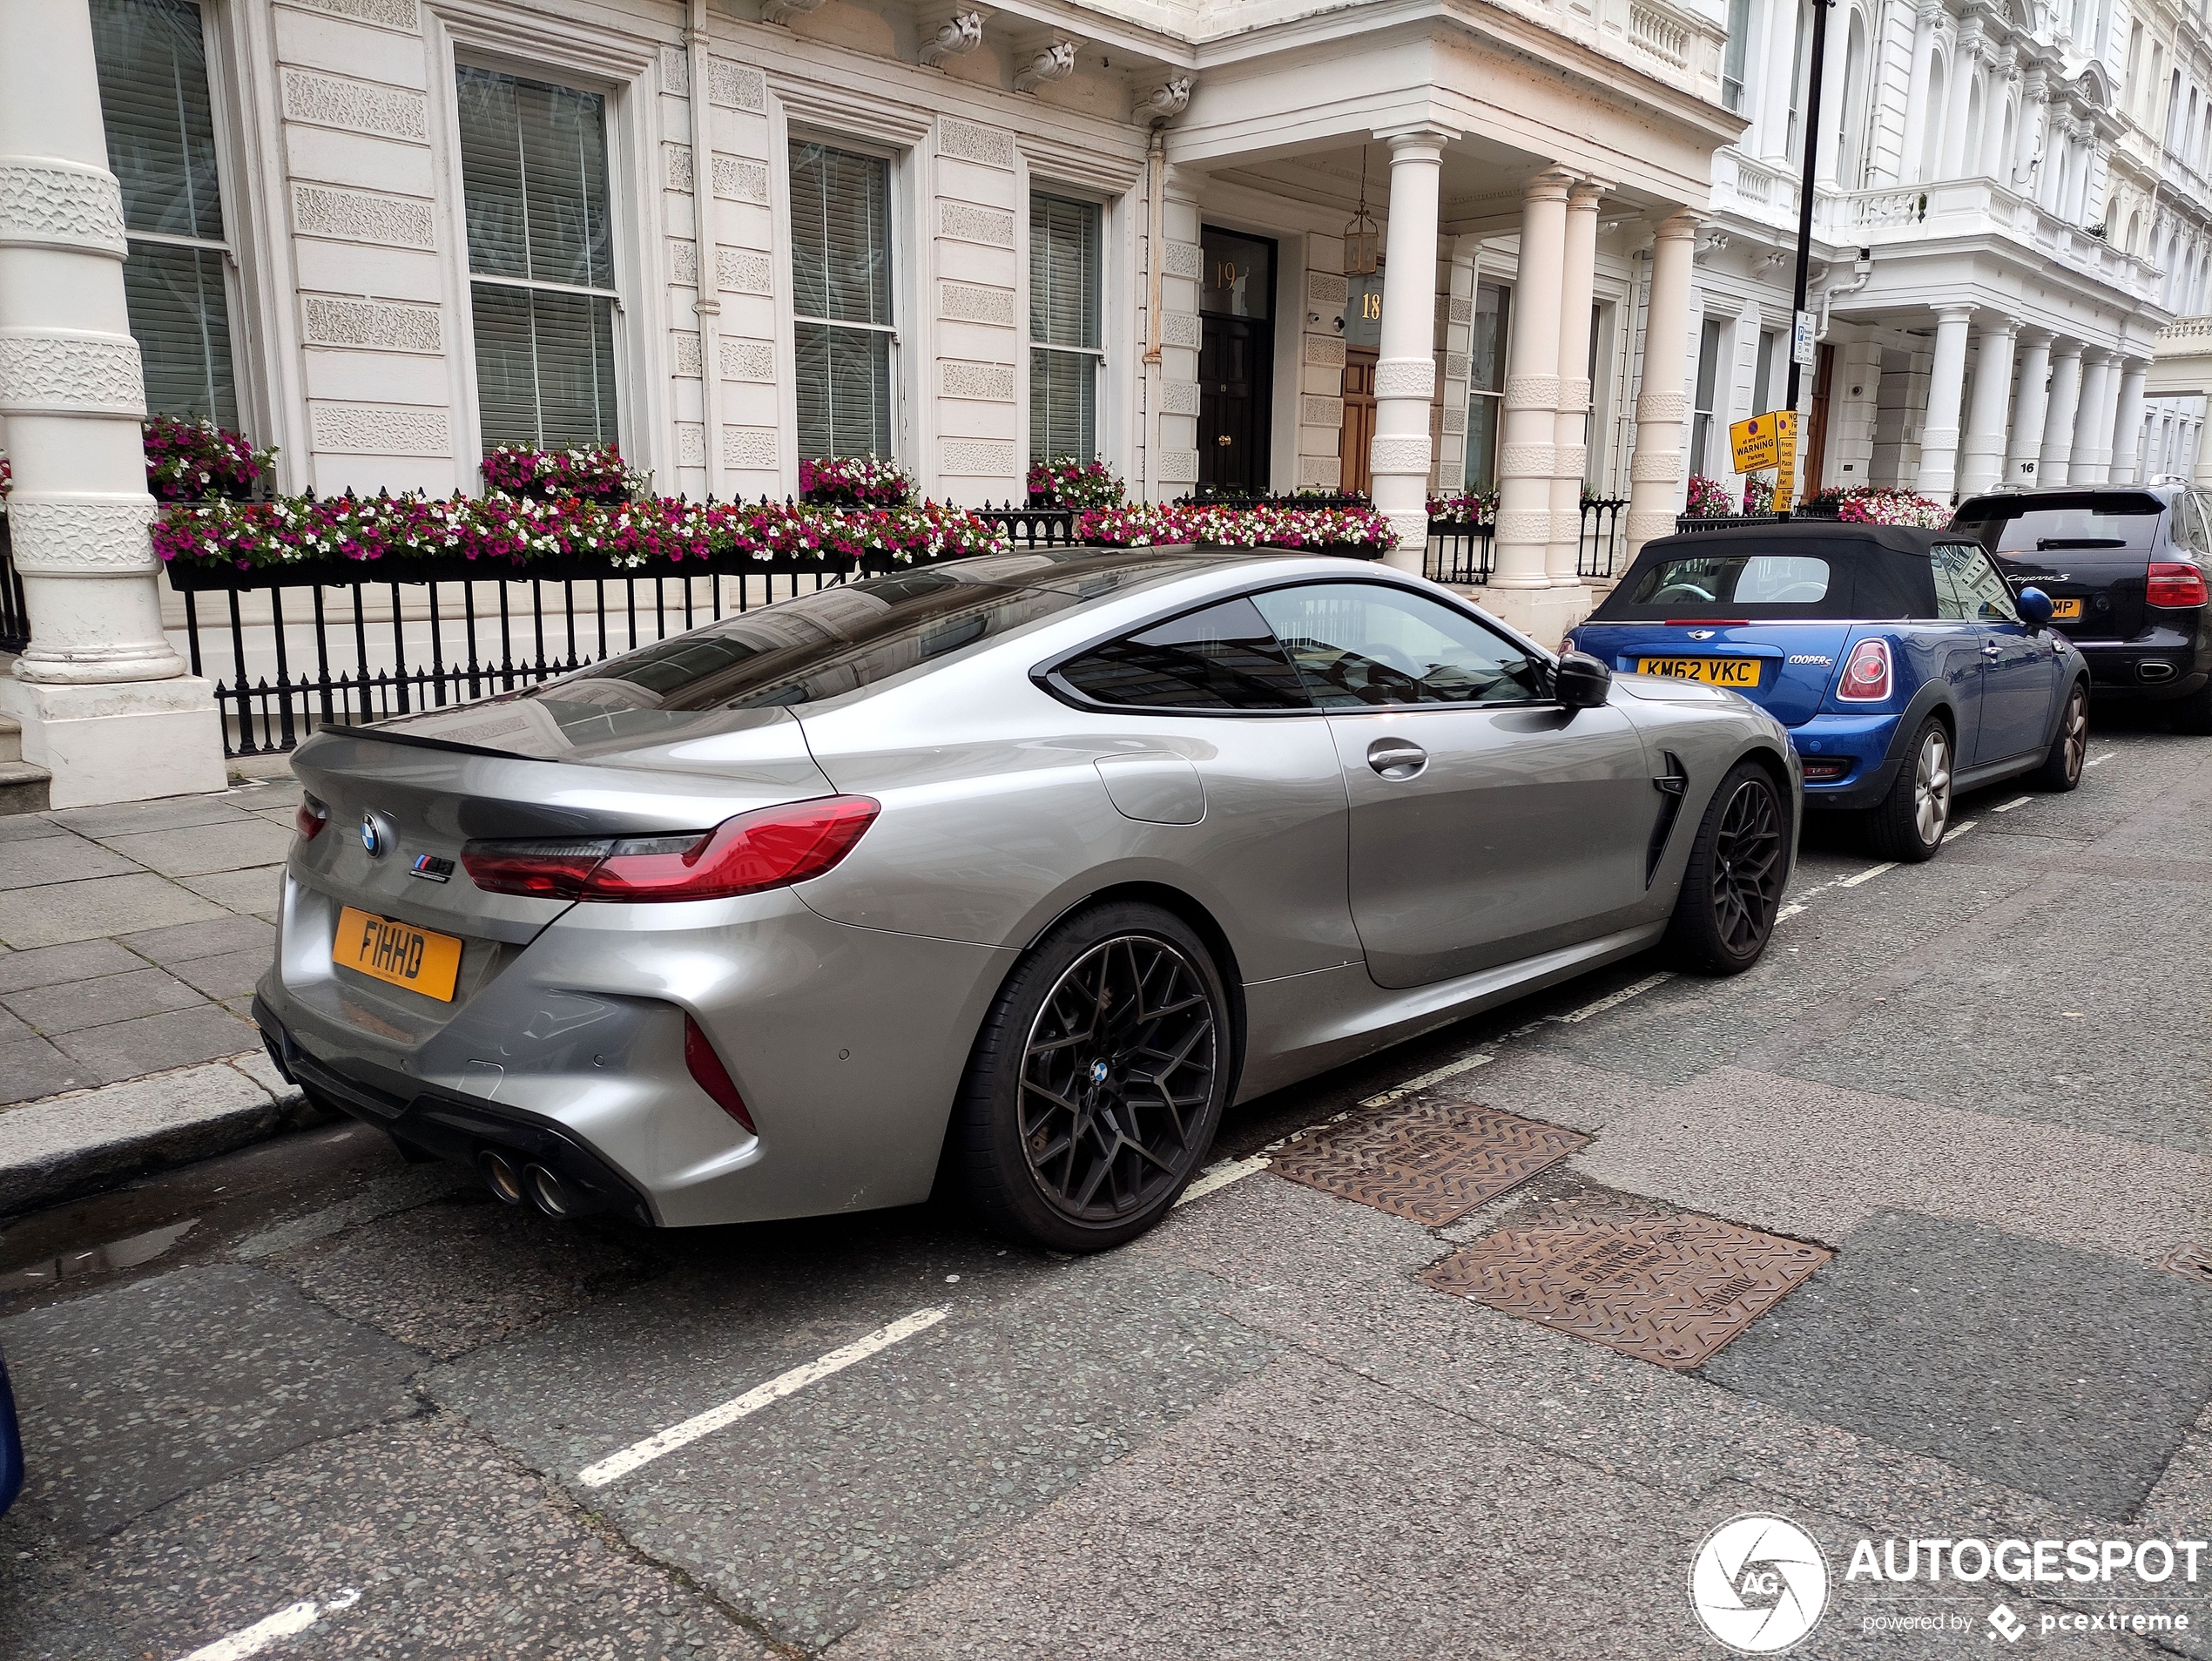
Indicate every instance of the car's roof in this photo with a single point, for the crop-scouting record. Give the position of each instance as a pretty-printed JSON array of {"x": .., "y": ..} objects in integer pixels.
[
  {"x": 2164, "y": 489},
  {"x": 1790, "y": 534},
  {"x": 1873, "y": 570}
]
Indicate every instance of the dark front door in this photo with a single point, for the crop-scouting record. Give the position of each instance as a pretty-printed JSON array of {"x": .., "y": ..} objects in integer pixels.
[
  {"x": 1359, "y": 439},
  {"x": 1234, "y": 358}
]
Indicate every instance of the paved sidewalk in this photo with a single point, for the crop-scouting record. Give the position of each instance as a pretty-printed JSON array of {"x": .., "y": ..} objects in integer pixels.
[{"x": 130, "y": 941}]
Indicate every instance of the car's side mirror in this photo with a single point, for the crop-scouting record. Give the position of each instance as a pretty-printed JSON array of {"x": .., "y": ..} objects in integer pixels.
[
  {"x": 1580, "y": 681},
  {"x": 2035, "y": 607}
]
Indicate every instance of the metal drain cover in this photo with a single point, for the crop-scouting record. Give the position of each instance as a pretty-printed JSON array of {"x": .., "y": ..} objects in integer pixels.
[
  {"x": 1428, "y": 1166},
  {"x": 1669, "y": 1287}
]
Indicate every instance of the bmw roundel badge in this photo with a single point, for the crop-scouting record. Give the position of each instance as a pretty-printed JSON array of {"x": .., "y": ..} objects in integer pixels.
[{"x": 371, "y": 839}]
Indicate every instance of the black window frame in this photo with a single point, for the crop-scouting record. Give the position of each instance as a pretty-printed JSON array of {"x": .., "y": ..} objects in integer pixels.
[{"x": 1046, "y": 678}]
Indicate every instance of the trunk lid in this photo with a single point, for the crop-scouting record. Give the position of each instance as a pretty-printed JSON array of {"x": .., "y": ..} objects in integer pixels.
[
  {"x": 2092, "y": 548},
  {"x": 1797, "y": 661}
]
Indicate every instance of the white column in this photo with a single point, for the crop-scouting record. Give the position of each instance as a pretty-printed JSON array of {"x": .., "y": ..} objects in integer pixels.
[
  {"x": 1946, "y": 380},
  {"x": 1963, "y": 52},
  {"x": 1981, "y": 459},
  {"x": 2057, "y": 421},
  {"x": 2127, "y": 424},
  {"x": 103, "y": 702},
  {"x": 1655, "y": 472},
  {"x": 1527, "y": 447},
  {"x": 2028, "y": 134},
  {"x": 2092, "y": 457},
  {"x": 2201, "y": 473},
  {"x": 1405, "y": 370},
  {"x": 1570, "y": 455},
  {"x": 1831, "y": 114},
  {"x": 2026, "y": 453},
  {"x": 1995, "y": 164},
  {"x": 1917, "y": 161}
]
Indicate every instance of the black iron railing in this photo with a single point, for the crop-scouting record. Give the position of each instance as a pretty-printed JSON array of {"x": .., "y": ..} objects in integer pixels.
[
  {"x": 1604, "y": 521},
  {"x": 14, "y": 621},
  {"x": 1691, "y": 524},
  {"x": 1460, "y": 552},
  {"x": 1032, "y": 527}
]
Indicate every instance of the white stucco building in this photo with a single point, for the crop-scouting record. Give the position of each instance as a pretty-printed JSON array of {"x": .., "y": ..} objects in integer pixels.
[{"x": 729, "y": 235}]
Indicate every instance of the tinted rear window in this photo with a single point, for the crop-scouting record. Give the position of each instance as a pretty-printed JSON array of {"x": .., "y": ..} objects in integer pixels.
[
  {"x": 1693, "y": 586},
  {"x": 2111, "y": 521},
  {"x": 1223, "y": 657},
  {"x": 840, "y": 639}
]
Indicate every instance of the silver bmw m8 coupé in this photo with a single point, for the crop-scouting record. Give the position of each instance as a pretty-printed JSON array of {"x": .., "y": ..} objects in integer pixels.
[{"x": 1023, "y": 868}]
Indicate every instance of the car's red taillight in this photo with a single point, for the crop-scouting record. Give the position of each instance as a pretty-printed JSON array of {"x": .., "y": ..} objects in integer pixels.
[
  {"x": 309, "y": 818},
  {"x": 2175, "y": 584},
  {"x": 771, "y": 848},
  {"x": 1866, "y": 673},
  {"x": 711, "y": 1075}
]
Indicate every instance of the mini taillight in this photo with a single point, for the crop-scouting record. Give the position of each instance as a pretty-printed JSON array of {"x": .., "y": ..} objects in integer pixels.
[
  {"x": 309, "y": 818},
  {"x": 2175, "y": 585},
  {"x": 1866, "y": 673},
  {"x": 771, "y": 848},
  {"x": 711, "y": 1075}
]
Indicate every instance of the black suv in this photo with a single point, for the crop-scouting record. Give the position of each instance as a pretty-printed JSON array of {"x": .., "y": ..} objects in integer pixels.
[{"x": 2126, "y": 567}]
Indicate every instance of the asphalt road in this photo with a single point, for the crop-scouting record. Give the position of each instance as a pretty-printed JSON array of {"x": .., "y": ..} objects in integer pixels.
[{"x": 308, "y": 1398}]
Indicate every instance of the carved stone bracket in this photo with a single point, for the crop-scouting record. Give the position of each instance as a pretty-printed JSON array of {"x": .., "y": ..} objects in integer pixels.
[
  {"x": 1164, "y": 101},
  {"x": 785, "y": 11},
  {"x": 1045, "y": 57},
  {"x": 949, "y": 33}
]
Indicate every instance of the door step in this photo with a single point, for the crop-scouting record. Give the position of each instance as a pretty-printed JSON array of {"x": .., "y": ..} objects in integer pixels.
[{"x": 24, "y": 788}]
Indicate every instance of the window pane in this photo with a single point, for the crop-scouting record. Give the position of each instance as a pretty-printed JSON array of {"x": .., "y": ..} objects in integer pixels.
[
  {"x": 1239, "y": 274},
  {"x": 180, "y": 316},
  {"x": 1742, "y": 579},
  {"x": 1493, "y": 313},
  {"x": 545, "y": 367},
  {"x": 844, "y": 378},
  {"x": 840, "y": 235},
  {"x": 1063, "y": 271},
  {"x": 533, "y": 161},
  {"x": 1063, "y": 405},
  {"x": 1763, "y": 376},
  {"x": 1482, "y": 442},
  {"x": 1358, "y": 644},
  {"x": 1363, "y": 312},
  {"x": 1223, "y": 657},
  {"x": 152, "y": 58}
]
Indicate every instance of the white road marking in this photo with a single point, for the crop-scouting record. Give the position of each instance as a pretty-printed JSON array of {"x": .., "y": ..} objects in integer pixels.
[
  {"x": 2017, "y": 801},
  {"x": 1615, "y": 1000},
  {"x": 714, "y": 1418},
  {"x": 1867, "y": 875},
  {"x": 1788, "y": 912},
  {"x": 2097, "y": 761},
  {"x": 1957, "y": 830},
  {"x": 1467, "y": 1063},
  {"x": 1214, "y": 1179},
  {"x": 286, "y": 1623}
]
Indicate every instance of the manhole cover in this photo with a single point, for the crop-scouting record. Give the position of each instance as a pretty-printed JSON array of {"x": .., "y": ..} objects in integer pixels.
[
  {"x": 1428, "y": 1166},
  {"x": 1671, "y": 1288},
  {"x": 2192, "y": 1262}
]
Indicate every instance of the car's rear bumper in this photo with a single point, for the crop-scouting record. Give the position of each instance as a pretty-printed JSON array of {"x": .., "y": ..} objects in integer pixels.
[
  {"x": 847, "y": 1045},
  {"x": 2162, "y": 666},
  {"x": 1863, "y": 744}
]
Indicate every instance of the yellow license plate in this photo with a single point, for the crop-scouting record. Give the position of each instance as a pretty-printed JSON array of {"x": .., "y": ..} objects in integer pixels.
[
  {"x": 1719, "y": 671},
  {"x": 2066, "y": 608},
  {"x": 398, "y": 952}
]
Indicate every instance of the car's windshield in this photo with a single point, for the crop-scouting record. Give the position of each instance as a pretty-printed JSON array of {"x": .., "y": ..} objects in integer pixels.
[
  {"x": 1691, "y": 583},
  {"x": 2116, "y": 520}
]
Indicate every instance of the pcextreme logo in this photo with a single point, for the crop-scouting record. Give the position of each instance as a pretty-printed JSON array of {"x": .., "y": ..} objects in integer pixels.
[{"x": 1758, "y": 1583}]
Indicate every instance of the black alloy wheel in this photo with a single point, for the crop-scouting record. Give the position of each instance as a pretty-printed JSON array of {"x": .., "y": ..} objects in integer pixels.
[
  {"x": 1098, "y": 1080},
  {"x": 1731, "y": 887}
]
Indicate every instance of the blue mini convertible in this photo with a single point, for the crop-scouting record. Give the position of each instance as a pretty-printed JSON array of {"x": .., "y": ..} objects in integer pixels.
[{"x": 1903, "y": 665}]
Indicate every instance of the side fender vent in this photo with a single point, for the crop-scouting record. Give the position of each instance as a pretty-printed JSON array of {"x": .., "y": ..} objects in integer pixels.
[{"x": 1672, "y": 786}]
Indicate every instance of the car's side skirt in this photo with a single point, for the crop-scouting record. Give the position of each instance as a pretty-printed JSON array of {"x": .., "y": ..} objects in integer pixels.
[{"x": 1304, "y": 1024}]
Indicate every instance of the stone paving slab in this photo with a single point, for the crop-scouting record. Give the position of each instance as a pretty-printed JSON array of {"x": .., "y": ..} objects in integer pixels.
[
  {"x": 197, "y": 850},
  {"x": 54, "y": 913}
]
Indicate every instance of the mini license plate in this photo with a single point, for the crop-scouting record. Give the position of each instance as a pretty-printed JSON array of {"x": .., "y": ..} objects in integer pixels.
[
  {"x": 2066, "y": 609},
  {"x": 1720, "y": 671},
  {"x": 398, "y": 952}
]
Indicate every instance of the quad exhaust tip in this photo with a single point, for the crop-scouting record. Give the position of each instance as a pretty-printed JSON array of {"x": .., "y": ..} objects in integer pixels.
[
  {"x": 549, "y": 1193},
  {"x": 501, "y": 1177}
]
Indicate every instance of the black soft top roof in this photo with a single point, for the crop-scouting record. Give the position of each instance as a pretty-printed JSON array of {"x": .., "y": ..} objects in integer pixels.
[{"x": 1874, "y": 571}]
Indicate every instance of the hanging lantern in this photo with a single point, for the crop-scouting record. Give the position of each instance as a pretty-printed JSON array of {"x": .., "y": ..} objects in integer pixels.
[{"x": 1362, "y": 241}]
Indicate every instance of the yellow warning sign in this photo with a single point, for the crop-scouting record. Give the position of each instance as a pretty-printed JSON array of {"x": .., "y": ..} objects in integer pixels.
[
  {"x": 1785, "y": 467},
  {"x": 1757, "y": 442}
]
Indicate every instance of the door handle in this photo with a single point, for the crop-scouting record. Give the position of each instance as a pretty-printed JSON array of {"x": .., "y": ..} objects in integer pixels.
[
  {"x": 1396, "y": 758},
  {"x": 1225, "y": 439},
  {"x": 1992, "y": 650}
]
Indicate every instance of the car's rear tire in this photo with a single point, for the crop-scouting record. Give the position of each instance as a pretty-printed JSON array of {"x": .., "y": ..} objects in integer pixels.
[
  {"x": 1907, "y": 824},
  {"x": 1731, "y": 887},
  {"x": 1097, "y": 1081},
  {"x": 2061, "y": 768}
]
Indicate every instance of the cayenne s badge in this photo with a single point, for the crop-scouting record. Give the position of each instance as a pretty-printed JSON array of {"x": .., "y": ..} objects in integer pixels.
[
  {"x": 372, "y": 838},
  {"x": 431, "y": 868}
]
